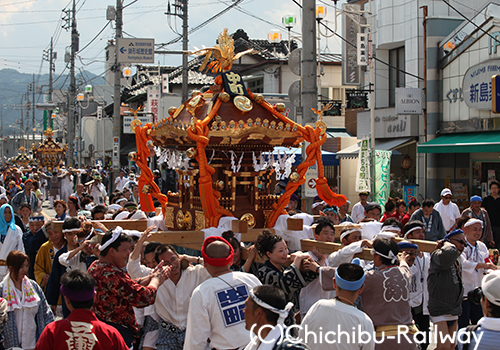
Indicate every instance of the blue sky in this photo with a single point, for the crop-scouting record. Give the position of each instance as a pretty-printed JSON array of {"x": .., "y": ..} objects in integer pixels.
[{"x": 26, "y": 27}]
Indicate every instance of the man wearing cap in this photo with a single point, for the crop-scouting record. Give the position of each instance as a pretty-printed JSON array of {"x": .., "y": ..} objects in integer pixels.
[
  {"x": 419, "y": 296},
  {"x": 448, "y": 210},
  {"x": 358, "y": 210},
  {"x": 430, "y": 217},
  {"x": 98, "y": 191},
  {"x": 25, "y": 196},
  {"x": 339, "y": 314},
  {"x": 487, "y": 332},
  {"x": 215, "y": 313},
  {"x": 445, "y": 287},
  {"x": 82, "y": 329},
  {"x": 116, "y": 293},
  {"x": 476, "y": 212},
  {"x": 265, "y": 311},
  {"x": 474, "y": 263}
]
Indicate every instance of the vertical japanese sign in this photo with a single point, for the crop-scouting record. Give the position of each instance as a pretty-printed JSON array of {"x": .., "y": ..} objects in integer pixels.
[
  {"x": 350, "y": 70},
  {"x": 363, "y": 178},
  {"x": 154, "y": 100},
  {"x": 116, "y": 153},
  {"x": 382, "y": 176}
]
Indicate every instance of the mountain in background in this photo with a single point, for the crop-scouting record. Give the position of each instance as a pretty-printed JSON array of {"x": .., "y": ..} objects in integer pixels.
[{"x": 15, "y": 84}]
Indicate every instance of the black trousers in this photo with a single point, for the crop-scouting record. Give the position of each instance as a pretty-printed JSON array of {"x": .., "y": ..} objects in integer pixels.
[
  {"x": 423, "y": 323},
  {"x": 470, "y": 312}
]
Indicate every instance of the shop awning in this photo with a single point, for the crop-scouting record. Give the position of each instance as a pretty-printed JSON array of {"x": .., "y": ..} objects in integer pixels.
[
  {"x": 352, "y": 151},
  {"x": 337, "y": 132},
  {"x": 463, "y": 143}
]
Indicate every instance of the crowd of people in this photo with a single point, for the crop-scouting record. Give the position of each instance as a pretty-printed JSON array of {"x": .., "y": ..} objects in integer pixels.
[{"x": 89, "y": 287}]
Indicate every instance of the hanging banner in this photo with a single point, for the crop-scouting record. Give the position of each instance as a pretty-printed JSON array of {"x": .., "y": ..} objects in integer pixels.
[
  {"x": 363, "y": 178},
  {"x": 382, "y": 177}
]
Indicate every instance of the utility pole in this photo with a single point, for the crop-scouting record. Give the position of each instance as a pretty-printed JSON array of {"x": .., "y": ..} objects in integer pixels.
[
  {"x": 28, "y": 107},
  {"x": 72, "y": 90},
  {"x": 184, "y": 48},
  {"x": 33, "y": 108},
  {"x": 49, "y": 56},
  {"x": 181, "y": 11},
  {"x": 117, "y": 120},
  {"x": 309, "y": 68}
]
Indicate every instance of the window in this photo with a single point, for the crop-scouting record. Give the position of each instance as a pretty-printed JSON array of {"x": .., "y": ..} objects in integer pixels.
[
  {"x": 396, "y": 77},
  {"x": 255, "y": 85}
]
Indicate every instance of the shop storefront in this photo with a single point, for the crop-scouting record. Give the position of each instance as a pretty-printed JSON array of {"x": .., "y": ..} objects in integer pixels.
[{"x": 465, "y": 153}]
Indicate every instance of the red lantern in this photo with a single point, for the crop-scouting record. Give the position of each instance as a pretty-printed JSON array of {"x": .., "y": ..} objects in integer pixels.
[{"x": 406, "y": 163}]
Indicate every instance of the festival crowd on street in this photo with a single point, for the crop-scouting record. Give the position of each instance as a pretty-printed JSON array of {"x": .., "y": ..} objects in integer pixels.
[{"x": 87, "y": 287}]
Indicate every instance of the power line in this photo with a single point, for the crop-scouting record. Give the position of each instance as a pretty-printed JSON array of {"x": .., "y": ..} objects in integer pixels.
[
  {"x": 95, "y": 37},
  {"x": 467, "y": 19},
  {"x": 19, "y": 2},
  {"x": 192, "y": 30},
  {"x": 373, "y": 57}
]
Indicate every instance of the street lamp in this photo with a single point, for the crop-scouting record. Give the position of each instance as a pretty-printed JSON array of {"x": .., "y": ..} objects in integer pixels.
[{"x": 289, "y": 22}]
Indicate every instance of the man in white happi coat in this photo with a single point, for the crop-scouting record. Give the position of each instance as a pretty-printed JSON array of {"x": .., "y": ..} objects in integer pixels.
[
  {"x": 66, "y": 186},
  {"x": 475, "y": 263},
  {"x": 419, "y": 295},
  {"x": 215, "y": 315}
]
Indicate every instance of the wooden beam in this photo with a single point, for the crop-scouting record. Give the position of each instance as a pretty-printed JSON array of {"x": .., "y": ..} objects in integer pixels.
[
  {"x": 139, "y": 225},
  {"x": 327, "y": 247}
]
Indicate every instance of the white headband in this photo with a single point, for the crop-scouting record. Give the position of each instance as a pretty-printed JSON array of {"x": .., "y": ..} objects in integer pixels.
[
  {"x": 90, "y": 234},
  {"x": 317, "y": 204},
  {"x": 283, "y": 314},
  {"x": 70, "y": 230},
  {"x": 116, "y": 233},
  {"x": 121, "y": 200},
  {"x": 385, "y": 234},
  {"x": 413, "y": 229},
  {"x": 390, "y": 228},
  {"x": 472, "y": 222},
  {"x": 393, "y": 258},
  {"x": 347, "y": 233}
]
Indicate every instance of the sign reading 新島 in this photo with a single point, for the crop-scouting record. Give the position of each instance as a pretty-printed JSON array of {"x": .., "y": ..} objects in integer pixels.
[{"x": 476, "y": 85}]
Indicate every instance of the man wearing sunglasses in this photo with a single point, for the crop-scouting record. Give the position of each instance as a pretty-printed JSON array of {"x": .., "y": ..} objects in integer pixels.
[
  {"x": 449, "y": 211},
  {"x": 446, "y": 287}
]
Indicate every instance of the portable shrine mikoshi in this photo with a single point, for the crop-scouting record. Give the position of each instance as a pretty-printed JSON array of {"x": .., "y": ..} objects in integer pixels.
[
  {"x": 22, "y": 159},
  {"x": 49, "y": 153},
  {"x": 225, "y": 131}
]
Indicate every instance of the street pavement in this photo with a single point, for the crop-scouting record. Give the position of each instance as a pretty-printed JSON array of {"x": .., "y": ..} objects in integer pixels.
[{"x": 48, "y": 213}]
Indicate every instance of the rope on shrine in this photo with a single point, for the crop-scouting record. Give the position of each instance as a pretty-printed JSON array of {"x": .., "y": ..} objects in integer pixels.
[
  {"x": 313, "y": 152},
  {"x": 147, "y": 178},
  {"x": 208, "y": 196}
]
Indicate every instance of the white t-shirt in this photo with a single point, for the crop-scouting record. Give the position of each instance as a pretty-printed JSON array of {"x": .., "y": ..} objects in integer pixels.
[
  {"x": 327, "y": 316},
  {"x": 120, "y": 183},
  {"x": 449, "y": 213},
  {"x": 358, "y": 212},
  {"x": 216, "y": 312}
]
